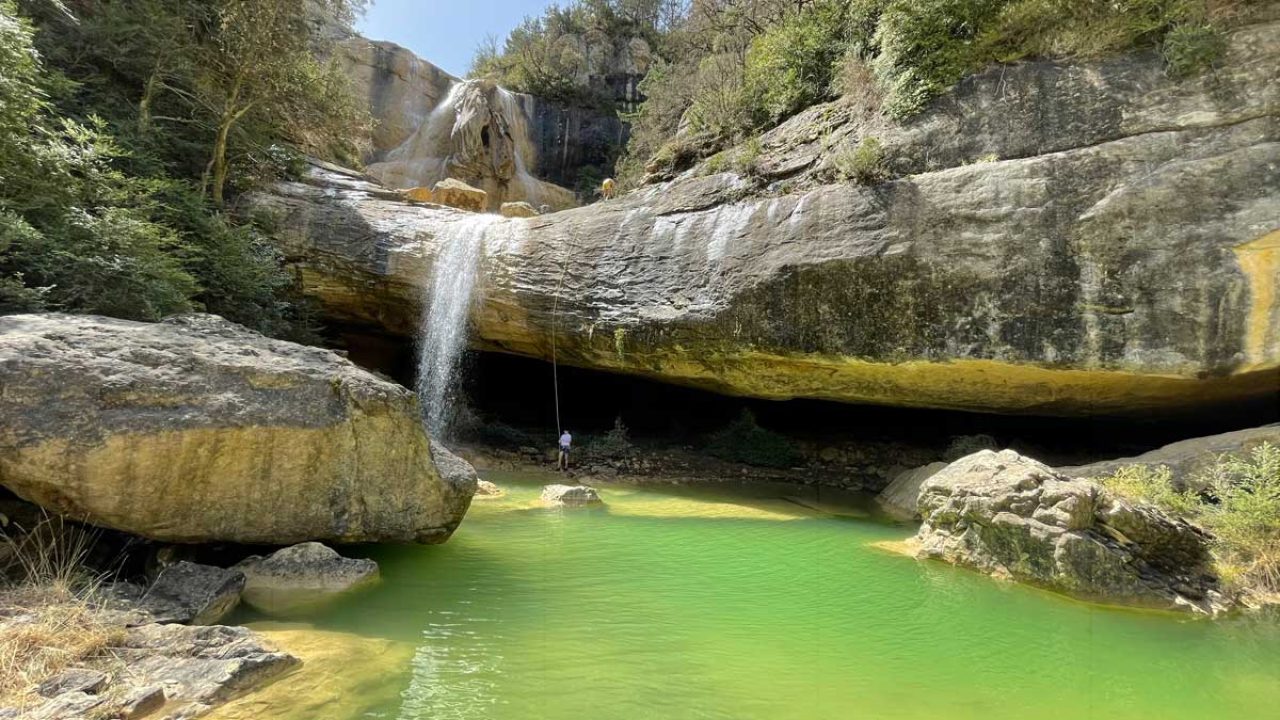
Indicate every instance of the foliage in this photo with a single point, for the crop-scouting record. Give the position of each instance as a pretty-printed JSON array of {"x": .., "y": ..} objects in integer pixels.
[
  {"x": 746, "y": 442},
  {"x": 1191, "y": 47},
  {"x": 1239, "y": 503},
  {"x": 789, "y": 66},
  {"x": 566, "y": 53},
  {"x": 113, "y": 118},
  {"x": 45, "y": 580},
  {"x": 612, "y": 445},
  {"x": 863, "y": 163},
  {"x": 1152, "y": 484},
  {"x": 1246, "y": 518},
  {"x": 738, "y": 66}
]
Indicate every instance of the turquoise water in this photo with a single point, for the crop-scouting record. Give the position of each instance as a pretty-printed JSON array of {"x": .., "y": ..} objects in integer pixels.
[{"x": 671, "y": 604}]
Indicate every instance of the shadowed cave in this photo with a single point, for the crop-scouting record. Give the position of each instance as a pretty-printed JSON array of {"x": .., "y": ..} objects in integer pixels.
[{"x": 518, "y": 392}]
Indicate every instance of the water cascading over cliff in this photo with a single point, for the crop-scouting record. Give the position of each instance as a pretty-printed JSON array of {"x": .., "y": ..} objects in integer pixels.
[{"x": 479, "y": 134}]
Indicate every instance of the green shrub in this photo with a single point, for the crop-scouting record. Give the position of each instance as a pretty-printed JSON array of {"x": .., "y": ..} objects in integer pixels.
[
  {"x": 612, "y": 445},
  {"x": 1246, "y": 518},
  {"x": 746, "y": 442},
  {"x": 863, "y": 163},
  {"x": 1152, "y": 485},
  {"x": 1239, "y": 505},
  {"x": 746, "y": 161},
  {"x": 1192, "y": 47},
  {"x": 789, "y": 66},
  {"x": 926, "y": 46}
]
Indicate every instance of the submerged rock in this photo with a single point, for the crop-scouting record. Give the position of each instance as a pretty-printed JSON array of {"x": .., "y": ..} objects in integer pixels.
[
  {"x": 901, "y": 498},
  {"x": 304, "y": 575},
  {"x": 200, "y": 667},
  {"x": 484, "y": 488},
  {"x": 570, "y": 495},
  {"x": 1118, "y": 257},
  {"x": 1014, "y": 517},
  {"x": 194, "y": 594},
  {"x": 196, "y": 429}
]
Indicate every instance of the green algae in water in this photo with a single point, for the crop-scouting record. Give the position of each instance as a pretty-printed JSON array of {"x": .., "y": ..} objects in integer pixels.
[{"x": 672, "y": 605}]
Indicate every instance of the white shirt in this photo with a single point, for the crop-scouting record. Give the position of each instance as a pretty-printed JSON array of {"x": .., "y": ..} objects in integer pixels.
[{"x": 565, "y": 439}]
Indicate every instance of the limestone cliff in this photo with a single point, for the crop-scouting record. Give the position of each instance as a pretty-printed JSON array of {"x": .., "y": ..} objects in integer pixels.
[
  {"x": 1116, "y": 254},
  {"x": 496, "y": 138}
]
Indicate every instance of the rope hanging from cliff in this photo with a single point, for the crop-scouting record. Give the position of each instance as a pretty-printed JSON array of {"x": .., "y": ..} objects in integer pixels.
[{"x": 555, "y": 329}]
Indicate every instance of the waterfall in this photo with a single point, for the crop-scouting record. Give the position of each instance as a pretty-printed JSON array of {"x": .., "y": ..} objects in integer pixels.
[{"x": 446, "y": 304}]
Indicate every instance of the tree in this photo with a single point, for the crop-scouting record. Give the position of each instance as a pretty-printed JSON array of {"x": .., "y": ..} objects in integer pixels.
[{"x": 260, "y": 58}]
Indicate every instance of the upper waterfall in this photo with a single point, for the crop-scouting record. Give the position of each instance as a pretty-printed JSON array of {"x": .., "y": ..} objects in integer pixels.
[{"x": 478, "y": 134}]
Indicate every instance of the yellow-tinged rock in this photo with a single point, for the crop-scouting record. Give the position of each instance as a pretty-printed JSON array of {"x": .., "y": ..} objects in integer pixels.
[
  {"x": 342, "y": 675},
  {"x": 419, "y": 194},
  {"x": 518, "y": 210},
  {"x": 199, "y": 430},
  {"x": 458, "y": 194}
]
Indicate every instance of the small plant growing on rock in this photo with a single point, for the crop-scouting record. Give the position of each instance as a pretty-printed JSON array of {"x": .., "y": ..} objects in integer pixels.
[
  {"x": 1239, "y": 504},
  {"x": 747, "y": 161},
  {"x": 1152, "y": 485},
  {"x": 1190, "y": 48},
  {"x": 864, "y": 163}
]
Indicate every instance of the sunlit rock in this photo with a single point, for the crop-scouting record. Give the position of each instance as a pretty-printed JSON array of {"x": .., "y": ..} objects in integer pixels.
[
  {"x": 1014, "y": 517},
  {"x": 458, "y": 194},
  {"x": 196, "y": 429},
  {"x": 569, "y": 496},
  {"x": 518, "y": 210}
]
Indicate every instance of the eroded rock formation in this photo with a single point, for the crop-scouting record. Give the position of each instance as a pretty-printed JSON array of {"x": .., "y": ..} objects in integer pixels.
[
  {"x": 562, "y": 144},
  {"x": 1017, "y": 518},
  {"x": 196, "y": 429},
  {"x": 1115, "y": 256}
]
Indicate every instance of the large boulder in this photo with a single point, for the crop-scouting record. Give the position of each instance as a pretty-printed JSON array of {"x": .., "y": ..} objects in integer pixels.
[
  {"x": 1014, "y": 517},
  {"x": 304, "y": 575},
  {"x": 1119, "y": 256},
  {"x": 1186, "y": 459},
  {"x": 196, "y": 430}
]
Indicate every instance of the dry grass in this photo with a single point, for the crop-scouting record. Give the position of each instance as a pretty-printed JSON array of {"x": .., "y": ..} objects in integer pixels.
[{"x": 49, "y": 616}]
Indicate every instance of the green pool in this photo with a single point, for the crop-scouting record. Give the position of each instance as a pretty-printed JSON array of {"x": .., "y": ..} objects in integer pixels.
[{"x": 683, "y": 604}]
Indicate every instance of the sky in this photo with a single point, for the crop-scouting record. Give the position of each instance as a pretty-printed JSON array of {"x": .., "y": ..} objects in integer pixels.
[{"x": 445, "y": 32}]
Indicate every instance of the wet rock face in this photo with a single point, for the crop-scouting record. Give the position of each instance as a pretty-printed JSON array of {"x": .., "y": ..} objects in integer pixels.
[
  {"x": 1130, "y": 265},
  {"x": 1014, "y": 517},
  {"x": 197, "y": 430}
]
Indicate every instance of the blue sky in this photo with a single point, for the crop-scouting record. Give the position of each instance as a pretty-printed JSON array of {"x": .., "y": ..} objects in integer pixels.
[{"x": 446, "y": 32}]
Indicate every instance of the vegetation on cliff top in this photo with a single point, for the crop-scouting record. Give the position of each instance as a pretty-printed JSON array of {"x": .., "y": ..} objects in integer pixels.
[
  {"x": 723, "y": 70},
  {"x": 125, "y": 128},
  {"x": 1236, "y": 498}
]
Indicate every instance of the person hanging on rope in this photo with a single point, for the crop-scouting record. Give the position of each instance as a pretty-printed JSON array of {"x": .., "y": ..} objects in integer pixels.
[{"x": 566, "y": 440}]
